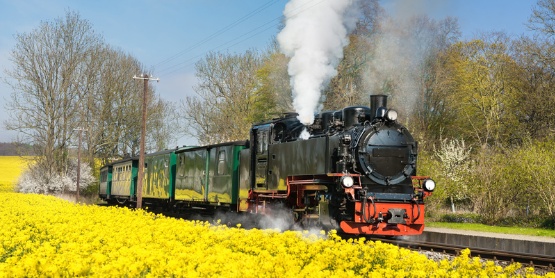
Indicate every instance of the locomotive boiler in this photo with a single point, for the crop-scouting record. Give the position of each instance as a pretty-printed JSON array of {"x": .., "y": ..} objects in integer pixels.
[{"x": 357, "y": 170}]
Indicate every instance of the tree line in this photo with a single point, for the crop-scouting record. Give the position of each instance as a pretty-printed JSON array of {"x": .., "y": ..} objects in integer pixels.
[
  {"x": 15, "y": 149},
  {"x": 481, "y": 108}
]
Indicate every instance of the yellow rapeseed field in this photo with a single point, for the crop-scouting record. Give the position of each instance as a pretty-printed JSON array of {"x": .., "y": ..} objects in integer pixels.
[
  {"x": 10, "y": 170},
  {"x": 42, "y": 236}
]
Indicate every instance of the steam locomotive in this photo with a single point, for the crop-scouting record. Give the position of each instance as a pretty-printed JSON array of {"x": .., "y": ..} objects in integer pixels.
[{"x": 356, "y": 172}]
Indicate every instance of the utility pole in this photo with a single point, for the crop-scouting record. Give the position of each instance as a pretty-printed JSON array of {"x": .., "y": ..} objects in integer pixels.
[
  {"x": 78, "y": 163},
  {"x": 140, "y": 178}
]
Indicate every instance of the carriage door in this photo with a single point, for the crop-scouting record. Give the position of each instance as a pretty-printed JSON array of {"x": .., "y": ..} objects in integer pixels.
[{"x": 261, "y": 136}]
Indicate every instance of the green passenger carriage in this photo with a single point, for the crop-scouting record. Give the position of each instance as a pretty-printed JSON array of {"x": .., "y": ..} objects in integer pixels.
[
  {"x": 158, "y": 180},
  {"x": 208, "y": 175},
  {"x": 200, "y": 177},
  {"x": 105, "y": 181},
  {"x": 124, "y": 181}
]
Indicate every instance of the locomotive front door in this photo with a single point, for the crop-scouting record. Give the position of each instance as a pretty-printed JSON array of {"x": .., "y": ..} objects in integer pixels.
[{"x": 261, "y": 138}]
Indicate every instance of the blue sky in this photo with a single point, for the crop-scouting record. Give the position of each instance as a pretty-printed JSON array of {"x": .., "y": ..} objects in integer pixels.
[{"x": 169, "y": 36}]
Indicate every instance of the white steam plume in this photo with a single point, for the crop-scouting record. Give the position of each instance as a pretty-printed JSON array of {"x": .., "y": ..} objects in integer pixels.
[{"x": 314, "y": 36}]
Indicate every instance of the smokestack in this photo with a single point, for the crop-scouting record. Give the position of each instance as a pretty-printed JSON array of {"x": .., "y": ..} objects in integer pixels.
[{"x": 376, "y": 101}]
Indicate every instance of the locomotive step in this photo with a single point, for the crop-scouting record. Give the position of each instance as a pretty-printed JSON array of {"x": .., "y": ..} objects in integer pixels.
[{"x": 273, "y": 196}]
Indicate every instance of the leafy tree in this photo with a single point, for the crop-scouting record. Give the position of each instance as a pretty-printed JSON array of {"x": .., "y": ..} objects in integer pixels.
[
  {"x": 535, "y": 108},
  {"x": 273, "y": 95},
  {"x": 493, "y": 195},
  {"x": 485, "y": 90},
  {"x": 428, "y": 165}
]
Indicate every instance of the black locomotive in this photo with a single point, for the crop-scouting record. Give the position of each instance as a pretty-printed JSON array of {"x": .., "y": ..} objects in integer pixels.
[{"x": 356, "y": 171}]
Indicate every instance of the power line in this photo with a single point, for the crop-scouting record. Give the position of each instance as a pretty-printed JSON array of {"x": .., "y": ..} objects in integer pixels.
[
  {"x": 179, "y": 66},
  {"x": 171, "y": 68},
  {"x": 219, "y": 32}
]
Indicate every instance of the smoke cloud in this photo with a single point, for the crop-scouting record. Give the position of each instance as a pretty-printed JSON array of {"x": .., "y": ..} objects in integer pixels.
[
  {"x": 402, "y": 49},
  {"x": 314, "y": 36}
]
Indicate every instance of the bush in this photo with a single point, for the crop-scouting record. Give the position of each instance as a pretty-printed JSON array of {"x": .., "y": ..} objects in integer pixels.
[
  {"x": 461, "y": 218},
  {"x": 37, "y": 179},
  {"x": 548, "y": 223},
  {"x": 427, "y": 166},
  {"x": 91, "y": 190},
  {"x": 519, "y": 221}
]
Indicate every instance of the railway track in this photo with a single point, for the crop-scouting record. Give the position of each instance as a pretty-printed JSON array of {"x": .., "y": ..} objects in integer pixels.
[{"x": 543, "y": 262}]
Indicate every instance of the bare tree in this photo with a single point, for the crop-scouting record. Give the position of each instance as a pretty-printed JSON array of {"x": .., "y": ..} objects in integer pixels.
[
  {"x": 46, "y": 100},
  {"x": 348, "y": 86},
  {"x": 161, "y": 124},
  {"x": 227, "y": 93},
  {"x": 65, "y": 78},
  {"x": 118, "y": 105},
  {"x": 543, "y": 18}
]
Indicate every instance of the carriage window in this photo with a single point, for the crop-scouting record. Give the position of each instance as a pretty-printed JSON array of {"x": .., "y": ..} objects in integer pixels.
[
  {"x": 222, "y": 163},
  {"x": 116, "y": 176}
]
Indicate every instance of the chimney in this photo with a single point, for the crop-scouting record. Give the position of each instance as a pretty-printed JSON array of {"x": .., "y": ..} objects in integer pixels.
[{"x": 377, "y": 101}]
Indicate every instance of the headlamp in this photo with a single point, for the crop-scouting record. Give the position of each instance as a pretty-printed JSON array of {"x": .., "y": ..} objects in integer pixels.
[
  {"x": 391, "y": 115},
  {"x": 347, "y": 181},
  {"x": 429, "y": 185}
]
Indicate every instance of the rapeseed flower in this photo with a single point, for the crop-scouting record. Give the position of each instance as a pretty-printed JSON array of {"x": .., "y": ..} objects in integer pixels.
[{"x": 42, "y": 236}]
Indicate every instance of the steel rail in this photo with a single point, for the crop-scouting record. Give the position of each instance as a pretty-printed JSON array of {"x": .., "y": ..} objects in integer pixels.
[{"x": 537, "y": 261}]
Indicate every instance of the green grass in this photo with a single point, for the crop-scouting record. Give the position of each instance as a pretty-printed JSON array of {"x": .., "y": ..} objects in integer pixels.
[{"x": 493, "y": 229}]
